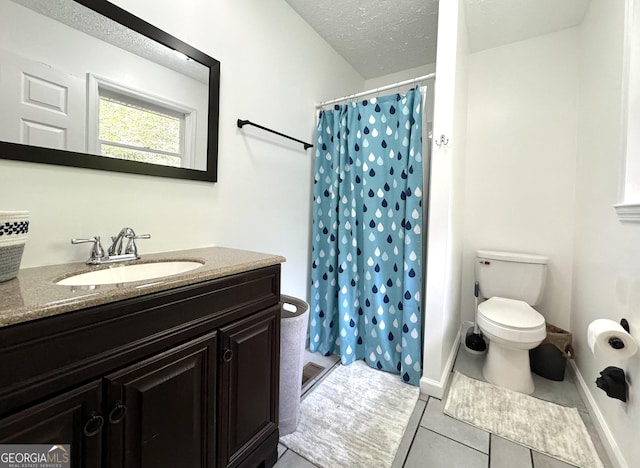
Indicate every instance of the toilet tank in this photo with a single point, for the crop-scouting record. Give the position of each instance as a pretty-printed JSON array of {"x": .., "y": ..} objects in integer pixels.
[{"x": 511, "y": 275}]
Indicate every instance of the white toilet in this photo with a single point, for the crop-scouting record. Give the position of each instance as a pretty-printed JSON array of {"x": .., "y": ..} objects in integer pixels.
[{"x": 512, "y": 283}]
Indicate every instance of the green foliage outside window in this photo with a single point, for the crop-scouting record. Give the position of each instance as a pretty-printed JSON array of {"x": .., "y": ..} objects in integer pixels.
[
  {"x": 139, "y": 134},
  {"x": 140, "y": 156}
]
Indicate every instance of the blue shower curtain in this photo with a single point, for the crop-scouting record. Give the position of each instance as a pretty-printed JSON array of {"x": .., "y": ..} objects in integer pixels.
[{"x": 366, "y": 241}]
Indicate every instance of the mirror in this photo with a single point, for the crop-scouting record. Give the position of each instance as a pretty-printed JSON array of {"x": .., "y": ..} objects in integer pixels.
[{"x": 87, "y": 84}]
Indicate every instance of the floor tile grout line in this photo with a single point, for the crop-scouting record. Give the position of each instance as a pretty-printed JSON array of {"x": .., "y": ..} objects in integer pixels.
[
  {"x": 413, "y": 438},
  {"x": 531, "y": 458},
  {"x": 459, "y": 420},
  {"x": 298, "y": 455},
  {"x": 456, "y": 441}
]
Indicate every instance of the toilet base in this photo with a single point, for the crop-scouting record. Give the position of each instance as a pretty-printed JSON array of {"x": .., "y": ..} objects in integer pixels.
[{"x": 508, "y": 368}]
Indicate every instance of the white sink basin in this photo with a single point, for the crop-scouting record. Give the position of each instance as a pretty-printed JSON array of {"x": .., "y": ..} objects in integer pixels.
[{"x": 128, "y": 273}]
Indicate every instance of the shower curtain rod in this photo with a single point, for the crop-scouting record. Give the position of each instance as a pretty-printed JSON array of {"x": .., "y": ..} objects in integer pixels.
[{"x": 430, "y": 76}]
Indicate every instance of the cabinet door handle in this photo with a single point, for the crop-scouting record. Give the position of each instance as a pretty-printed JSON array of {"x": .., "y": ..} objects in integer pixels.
[
  {"x": 117, "y": 413},
  {"x": 228, "y": 355},
  {"x": 93, "y": 425}
]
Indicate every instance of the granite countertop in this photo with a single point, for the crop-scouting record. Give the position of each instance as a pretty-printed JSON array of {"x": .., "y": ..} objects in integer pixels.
[{"x": 34, "y": 294}]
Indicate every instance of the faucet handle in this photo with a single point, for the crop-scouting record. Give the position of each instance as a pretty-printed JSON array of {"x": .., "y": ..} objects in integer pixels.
[
  {"x": 141, "y": 236},
  {"x": 96, "y": 251},
  {"x": 131, "y": 245}
]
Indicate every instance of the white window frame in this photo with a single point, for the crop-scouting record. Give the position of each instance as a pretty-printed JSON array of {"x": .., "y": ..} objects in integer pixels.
[
  {"x": 97, "y": 83},
  {"x": 628, "y": 209}
]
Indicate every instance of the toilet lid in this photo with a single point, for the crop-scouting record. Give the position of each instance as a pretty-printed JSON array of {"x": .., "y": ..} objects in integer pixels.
[{"x": 511, "y": 313}]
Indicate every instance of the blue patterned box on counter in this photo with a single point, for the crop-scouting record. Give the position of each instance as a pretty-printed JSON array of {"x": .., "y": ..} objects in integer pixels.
[{"x": 14, "y": 226}]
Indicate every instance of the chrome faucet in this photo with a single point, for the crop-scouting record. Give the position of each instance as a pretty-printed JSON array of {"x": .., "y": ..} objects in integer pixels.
[
  {"x": 97, "y": 253},
  {"x": 97, "y": 256},
  {"x": 131, "y": 248}
]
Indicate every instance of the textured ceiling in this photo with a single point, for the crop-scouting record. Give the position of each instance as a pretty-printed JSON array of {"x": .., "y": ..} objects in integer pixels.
[
  {"x": 376, "y": 37},
  {"x": 380, "y": 37}
]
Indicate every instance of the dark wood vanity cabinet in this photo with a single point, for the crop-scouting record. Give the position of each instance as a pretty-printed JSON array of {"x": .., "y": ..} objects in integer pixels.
[
  {"x": 72, "y": 417},
  {"x": 178, "y": 379},
  {"x": 162, "y": 410},
  {"x": 249, "y": 389}
]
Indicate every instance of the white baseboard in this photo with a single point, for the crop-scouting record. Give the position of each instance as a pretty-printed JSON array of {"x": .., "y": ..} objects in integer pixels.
[
  {"x": 606, "y": 437},
  {"x": 436, "y": 388}
]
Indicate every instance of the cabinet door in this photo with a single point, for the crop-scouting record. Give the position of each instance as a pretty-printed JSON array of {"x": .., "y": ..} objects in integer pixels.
[
  {"x": 161, "y": 411},
  {"x": 72, "y": 418},
  {"x": 248, "y": 407}
]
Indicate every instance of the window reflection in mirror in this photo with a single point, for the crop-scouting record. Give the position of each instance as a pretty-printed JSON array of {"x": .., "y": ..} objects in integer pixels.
[
  {"x": 118, "y": 94},
  {"x": 140, "y": 131}
]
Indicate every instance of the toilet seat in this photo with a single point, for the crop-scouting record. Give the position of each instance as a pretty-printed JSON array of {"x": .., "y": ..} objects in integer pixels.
[{"x": 511, "y": 320}]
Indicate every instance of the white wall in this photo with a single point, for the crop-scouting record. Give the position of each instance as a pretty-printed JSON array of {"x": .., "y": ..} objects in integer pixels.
[
  {"x": 606, "y": 258},
  {"x": 446, "y": 194},
  {"x": 274, "y": 69},
  {"x": 520, "y": 166}
]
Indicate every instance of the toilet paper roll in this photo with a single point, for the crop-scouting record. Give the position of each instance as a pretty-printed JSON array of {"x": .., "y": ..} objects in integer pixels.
[{"x": 599, "y": 334}]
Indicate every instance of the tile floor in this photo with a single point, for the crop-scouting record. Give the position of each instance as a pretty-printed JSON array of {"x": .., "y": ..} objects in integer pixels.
[{"x": 433, "y": 439}]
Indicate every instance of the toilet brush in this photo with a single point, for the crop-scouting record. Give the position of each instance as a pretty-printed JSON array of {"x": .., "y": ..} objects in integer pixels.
[{"x": 474, "y": 342}]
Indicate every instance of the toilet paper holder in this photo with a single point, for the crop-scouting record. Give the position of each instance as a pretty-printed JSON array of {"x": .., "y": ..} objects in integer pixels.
[
  {"x": 624, "y": 324},
  {"x": 617, "y": 343},
  {"x": 612, "y": 379},
  {"x": 613, "y": 382}
]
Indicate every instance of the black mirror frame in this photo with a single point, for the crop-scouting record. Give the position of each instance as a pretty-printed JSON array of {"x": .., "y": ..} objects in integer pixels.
[{"x": 20, "y": 152}]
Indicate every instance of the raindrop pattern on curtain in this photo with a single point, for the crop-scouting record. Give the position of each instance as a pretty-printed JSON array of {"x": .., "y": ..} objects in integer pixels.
[{"x": 366, "y": 239}]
